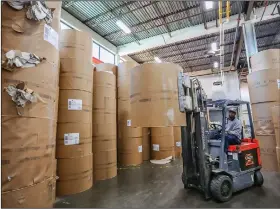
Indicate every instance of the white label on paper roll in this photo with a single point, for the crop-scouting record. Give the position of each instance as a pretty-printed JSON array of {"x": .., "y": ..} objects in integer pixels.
[
  {"x": 156, "y": 147},
  {"x": 140, "y": 148},
  {"x": 128, "y": 122},
  {"x": 178, "y": 144},
  {"x": 51, "y": 36},
  {"x": 71, "y": 138},
  {"x": 278, "y": 83},
  {"x": 75, "y": 104}
]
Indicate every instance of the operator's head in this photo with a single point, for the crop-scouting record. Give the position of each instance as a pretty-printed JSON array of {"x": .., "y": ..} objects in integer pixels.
[{"x": 232, "y": 113}]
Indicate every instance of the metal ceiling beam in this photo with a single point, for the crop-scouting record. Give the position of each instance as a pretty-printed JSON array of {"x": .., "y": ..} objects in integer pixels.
[
  {"x": 187, "y": 13},
  {"x": 133, "y": 35},
  {"x": 145, "y": 29},
  {"x": 125, "y": 13},
  {"x": 108, "y": 12},
  {"x": 155, "y": 6},
  {"x": 206, "y": 47},
  {"x": 241, "y": 40},
  {"x": 188, "y": 34},
  {"x": 203, "y": 16},
  {"x": 183, "y": 57},
  {"x": 161, "y": 17},
  {"x": 158, "y": 18},
  {"x": 212, "y": 35},
  {"x": 210, "y": 64},
  {"x": 217, "y": 15},
  {"x": 69, "y": 4}
]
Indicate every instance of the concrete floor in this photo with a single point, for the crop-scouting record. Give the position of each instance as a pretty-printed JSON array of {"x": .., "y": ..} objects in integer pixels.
[{"x": 160, "y": 186}]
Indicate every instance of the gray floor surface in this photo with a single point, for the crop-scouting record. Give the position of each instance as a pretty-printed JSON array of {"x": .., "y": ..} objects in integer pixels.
[{"x": 160, "y": 186}]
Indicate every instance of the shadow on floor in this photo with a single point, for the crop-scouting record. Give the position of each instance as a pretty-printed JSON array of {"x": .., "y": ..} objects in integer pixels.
[{"x": 160, "y": 186}]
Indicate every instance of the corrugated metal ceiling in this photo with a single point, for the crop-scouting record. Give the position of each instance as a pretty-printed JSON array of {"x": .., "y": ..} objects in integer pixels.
[
  {"x": 144, "y": 18},
  {"x": 150, "y": 18},
  {"x": 192, "y": 54}
]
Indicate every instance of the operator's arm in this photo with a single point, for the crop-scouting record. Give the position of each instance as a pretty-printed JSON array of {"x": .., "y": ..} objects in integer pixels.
[{"x": 236, "y": 129}]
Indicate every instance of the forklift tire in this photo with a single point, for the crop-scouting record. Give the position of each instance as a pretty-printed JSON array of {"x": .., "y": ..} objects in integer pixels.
[
  {"x": 258, "y": 178},
  {"x": 221, "y": 188}
]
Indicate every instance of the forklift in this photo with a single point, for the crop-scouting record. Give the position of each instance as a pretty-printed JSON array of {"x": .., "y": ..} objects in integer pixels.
[{"x": 206, "y": 165}]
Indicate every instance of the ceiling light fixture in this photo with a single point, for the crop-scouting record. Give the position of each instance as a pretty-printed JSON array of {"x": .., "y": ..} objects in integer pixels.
[
  {"x": 157, "y": 60},
  {"x": 216, "y": 64},
  {"x": 208, "y": 4},
  {"x": 123, "y": 26}
]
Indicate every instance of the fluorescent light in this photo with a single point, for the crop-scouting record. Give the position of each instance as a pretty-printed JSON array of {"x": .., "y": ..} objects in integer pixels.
[
  {"x": 216, "y": 64},
  {"x": 208, "y": 4},
  {"x": 157, "y": 59},
  {"x": 123, "y": 26},
  {"x": 214, "y": 46}
]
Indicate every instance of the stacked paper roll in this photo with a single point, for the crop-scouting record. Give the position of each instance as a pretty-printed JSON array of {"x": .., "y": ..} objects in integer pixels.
[
  {"x": 130, "y": 147},
  {"x": 264, "y": 90},
  {"x": 162, "y": 143},
  {"x": 104, "y": 125},
  {"x": 28, "y": 133},
  {"x": 74, "y": 131}
]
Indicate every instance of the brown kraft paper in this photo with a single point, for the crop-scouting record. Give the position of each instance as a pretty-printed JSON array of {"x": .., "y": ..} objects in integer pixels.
[
  {"x": 107, "y": 67},
  {"x": 267, "y": 59},
  {"x": 268, "y": 152},
  {"x": 76, "y": 183},
  {"x": 130, "y": 151},
  {"x": 41, "y": 195},
  {"x": 275, "y": 111},
  {"x": 177, "y": 142},
  {"x": 262, "y": 118},
  {"x": 76, "y": 44},
  {"x": 154, "y": 96},
  {"x": 162, "y": 142},
  {"x": 146, "y": 140},
  {"x": 264, "y": 86}
]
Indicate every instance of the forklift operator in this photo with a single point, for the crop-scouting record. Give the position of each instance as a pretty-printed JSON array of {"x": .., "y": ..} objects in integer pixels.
[{"x": 233, "y": 130}]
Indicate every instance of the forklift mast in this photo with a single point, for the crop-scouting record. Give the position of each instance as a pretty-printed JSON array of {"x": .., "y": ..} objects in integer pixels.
[{"x": 196, "y": 164}]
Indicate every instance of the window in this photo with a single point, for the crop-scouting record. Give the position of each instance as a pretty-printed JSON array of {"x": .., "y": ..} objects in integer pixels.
[
  {"x": 64, "y": 26},
  {"x": 106, "y": 56},
  {"x": 95, "y": 50}
]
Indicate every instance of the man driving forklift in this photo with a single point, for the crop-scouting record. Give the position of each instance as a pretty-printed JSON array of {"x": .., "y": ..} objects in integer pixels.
[{"x": 233, "y": 130}]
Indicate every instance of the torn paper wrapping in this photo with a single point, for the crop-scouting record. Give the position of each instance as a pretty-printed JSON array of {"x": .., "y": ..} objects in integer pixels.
[
  {"x": 18, "y": 5},
  {"x": 163, "y": 161},
  {"x": 17, "y": 59},
  {"x": 21, "y": 95},
  {"x": 37, "y": 10}
]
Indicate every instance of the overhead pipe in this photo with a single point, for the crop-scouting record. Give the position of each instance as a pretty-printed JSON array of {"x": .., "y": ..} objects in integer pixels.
[
  {"x": 221, "y": 40},
  {"x": 235, "y": 37},
  {"x": 228, "y": 10}
]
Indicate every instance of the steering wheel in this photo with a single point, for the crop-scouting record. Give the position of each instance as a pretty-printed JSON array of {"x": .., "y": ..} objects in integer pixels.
[{"x": 216, "y": 126}]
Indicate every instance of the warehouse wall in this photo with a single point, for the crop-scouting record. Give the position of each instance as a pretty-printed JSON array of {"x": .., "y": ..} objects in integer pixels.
[{"x": 230, "y": 89}]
